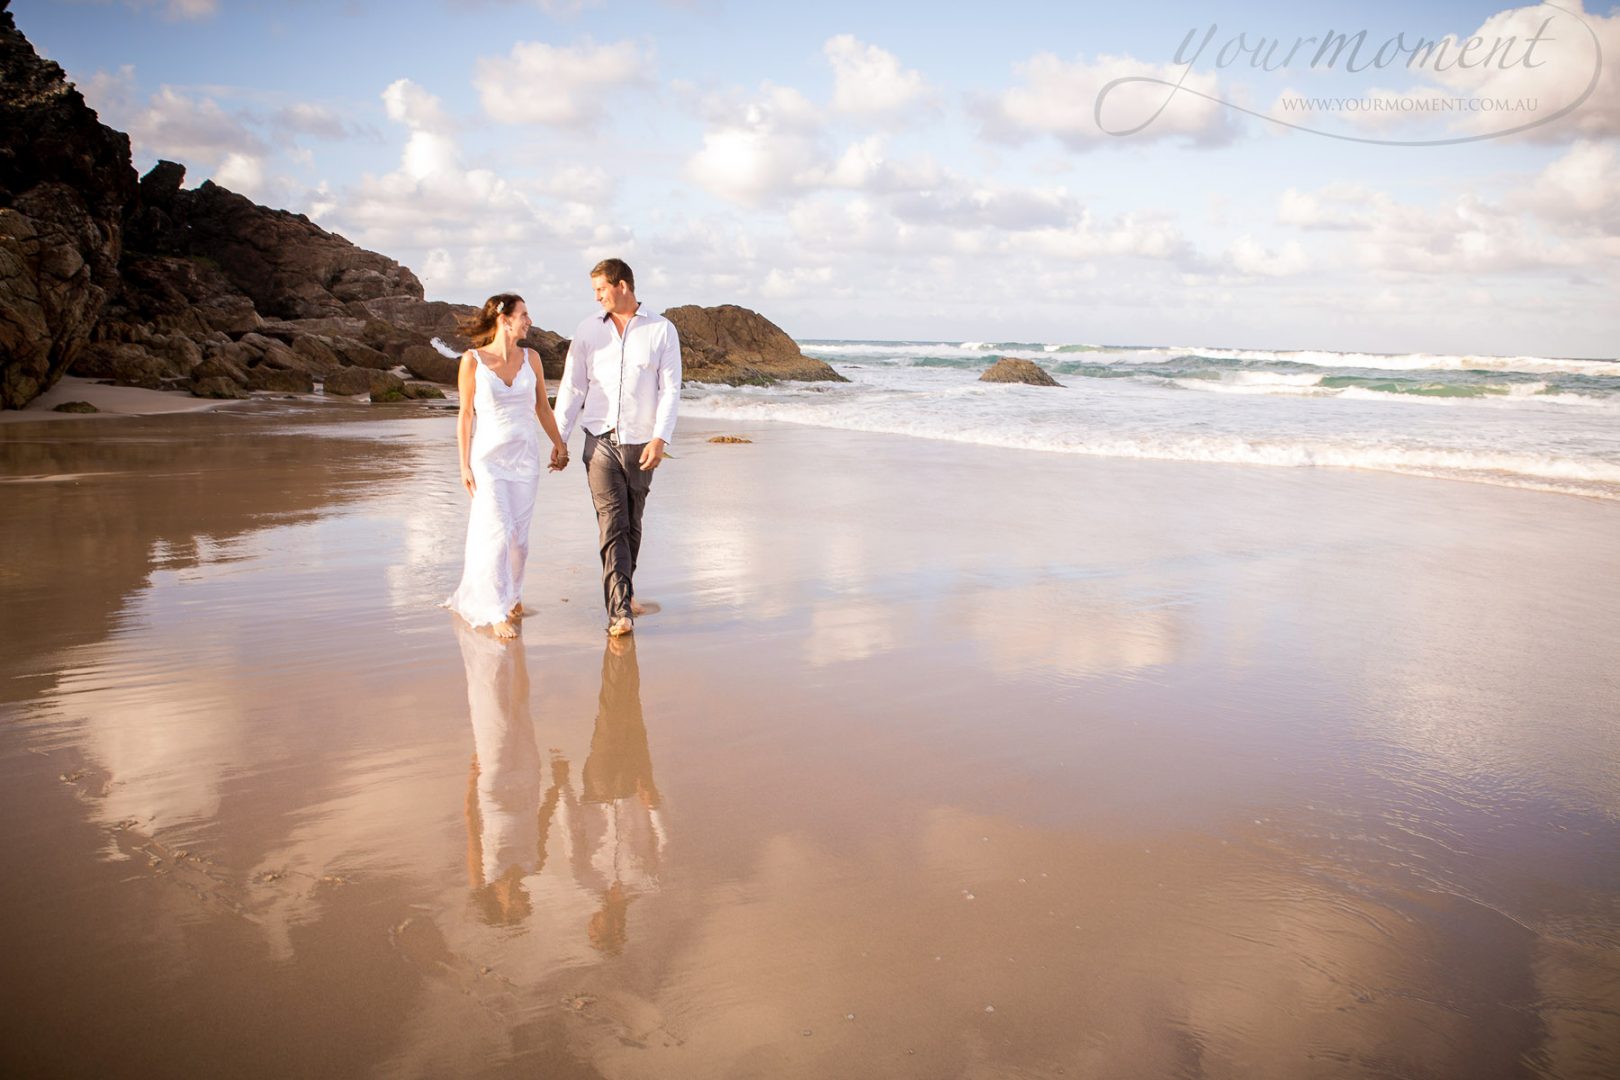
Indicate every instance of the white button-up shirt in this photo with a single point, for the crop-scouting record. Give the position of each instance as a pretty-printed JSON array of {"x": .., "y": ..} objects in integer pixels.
[{"x": 630, "y": 384}]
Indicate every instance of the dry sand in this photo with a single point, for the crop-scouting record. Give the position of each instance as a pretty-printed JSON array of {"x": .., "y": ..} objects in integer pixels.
[
  {"x": 108, "y": 400},
  {"x": 937, "y": 761}
]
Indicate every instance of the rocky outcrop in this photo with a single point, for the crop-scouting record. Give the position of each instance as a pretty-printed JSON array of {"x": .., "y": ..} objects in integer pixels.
[
  {"x": 65, "y": 180},
  {"x": 147, "y": 283},
  {"x": 730, "y": 344},
  {"x": 1007, "y": 369}
]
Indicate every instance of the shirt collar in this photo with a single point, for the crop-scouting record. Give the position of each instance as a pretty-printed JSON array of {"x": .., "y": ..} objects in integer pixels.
[{"x": 606, "y": 315}]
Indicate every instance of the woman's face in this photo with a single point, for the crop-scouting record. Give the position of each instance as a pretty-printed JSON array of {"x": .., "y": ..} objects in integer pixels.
[{"x": 519, "y": 321}]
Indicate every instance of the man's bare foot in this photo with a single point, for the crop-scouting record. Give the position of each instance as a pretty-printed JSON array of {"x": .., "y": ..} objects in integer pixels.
[
  {"x": 507, "y": 629},
  {"x": 621, "y": 625},
  {"x": 638, "y": 609}
]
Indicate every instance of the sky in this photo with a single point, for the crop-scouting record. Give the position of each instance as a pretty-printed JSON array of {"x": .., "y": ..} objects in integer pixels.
[{"x": 913, "y": 171}]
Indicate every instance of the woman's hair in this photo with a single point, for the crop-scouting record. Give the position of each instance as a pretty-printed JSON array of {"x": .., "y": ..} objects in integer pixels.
[{"x": 480, "y": 325}]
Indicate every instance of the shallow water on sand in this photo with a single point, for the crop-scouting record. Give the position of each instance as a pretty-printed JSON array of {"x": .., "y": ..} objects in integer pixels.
[{"x": 937, "y": 761}]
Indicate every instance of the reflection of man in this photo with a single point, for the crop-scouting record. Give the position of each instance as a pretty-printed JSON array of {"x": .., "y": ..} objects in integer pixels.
[
  {"x": 620, "y": 812},
  {"x": 623, "y": 380}
]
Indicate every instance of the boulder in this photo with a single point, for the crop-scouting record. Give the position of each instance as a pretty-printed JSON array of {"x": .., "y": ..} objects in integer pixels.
[
  {"x": 223, "y": 362},
  {"x": 357, "y": 354},
  {"x": 316, "y": 354},
  {"x": 426, "y": 362},
  {"x": 127, "y": 364},
  {"x": 730, "y": 344},
  {"x": 421, "y": 391},
  {"x": 1006, "y": 369},
  {"x": 75, "y": 407},
  {"x": 217, "y": 387},
  {"x": 265, "y": 377},
  {"x": 347, "y": 381},
  {"x": 386, "y": 386}
]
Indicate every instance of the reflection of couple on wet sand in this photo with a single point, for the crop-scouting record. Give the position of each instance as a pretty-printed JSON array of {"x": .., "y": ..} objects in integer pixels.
[
  {"x": 621, "y": 381},
  {"x": 606, "y": 833}
]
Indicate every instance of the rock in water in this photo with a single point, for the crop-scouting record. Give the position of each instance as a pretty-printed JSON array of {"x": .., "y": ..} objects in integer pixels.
[
  {"x": 1019, "y": 371},
  {"x": 730, "y": 344}
]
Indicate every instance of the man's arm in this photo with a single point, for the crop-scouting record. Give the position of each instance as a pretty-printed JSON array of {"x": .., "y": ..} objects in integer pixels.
[
  {"x": 669, "y": 386},
  {"x": 571, "y": 388}
]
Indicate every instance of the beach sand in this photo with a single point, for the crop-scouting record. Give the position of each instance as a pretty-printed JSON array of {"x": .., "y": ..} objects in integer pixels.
[
  {"x": 938, "y": 760},
  {"x": 107, "y": 399}
]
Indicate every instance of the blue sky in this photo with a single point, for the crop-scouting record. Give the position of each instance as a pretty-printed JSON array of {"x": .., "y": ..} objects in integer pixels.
[{"x": 905, "y": 170}]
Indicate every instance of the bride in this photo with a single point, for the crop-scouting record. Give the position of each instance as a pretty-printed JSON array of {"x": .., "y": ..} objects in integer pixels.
[{"x": 503, "y": 388}]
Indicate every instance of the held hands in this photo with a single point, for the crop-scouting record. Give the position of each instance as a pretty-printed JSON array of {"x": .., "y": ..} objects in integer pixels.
[
  {"x": 651, "y": 455},
  {"x": 559, "y": 457}
]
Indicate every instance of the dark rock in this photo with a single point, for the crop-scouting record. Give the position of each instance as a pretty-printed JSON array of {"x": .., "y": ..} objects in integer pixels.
[
  {"x": 161, "y": 184},
  {"x": 129, "y": 364},
  {"x": 730, "y": 344},
  {"x": 317, "y": 355},
  {"x": 386, "y": 386},
  {"x": 553, "y": 350},
  {"x": 1018, "y": 371},
  {"x": 265, "y": 377},
  {"x": 217, "y": 387},
  {"x": 76, "y": 407},
  {"x": 426, "y": 362},
  {"x": 346, "y": 382},
  {"x": 225, "y": 362},
  {"x": 356, "y": 354},
  {"x": 181, "y": 295},
  {"x": 288, "y": 266},
  {"x": 421, "y": 391},
  {"x": 65, "y": 180}
]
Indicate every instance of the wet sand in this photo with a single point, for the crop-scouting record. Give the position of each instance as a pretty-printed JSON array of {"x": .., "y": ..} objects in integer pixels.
[{"x": 937, "y": 761}]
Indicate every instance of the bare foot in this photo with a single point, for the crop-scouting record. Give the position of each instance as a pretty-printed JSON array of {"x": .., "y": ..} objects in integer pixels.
[
  {"x": 620, "y": 626},
  {"x": 517, "y": 611},
  {"x": 507, "y": 629},
  {"x": 638, "y": 609}
]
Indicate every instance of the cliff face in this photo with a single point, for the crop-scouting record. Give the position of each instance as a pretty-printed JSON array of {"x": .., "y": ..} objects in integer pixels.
[
  {"x": 65, "y": 180},
  {"x": 147, "y": 283}
]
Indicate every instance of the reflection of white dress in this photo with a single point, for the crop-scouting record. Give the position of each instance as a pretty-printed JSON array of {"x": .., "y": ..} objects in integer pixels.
[
  {"x": 508, "y": 758},
  {"x": 505, "y": 461}
]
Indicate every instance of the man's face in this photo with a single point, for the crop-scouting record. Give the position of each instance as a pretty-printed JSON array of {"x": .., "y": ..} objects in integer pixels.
[{"x": 608, "y": 295}]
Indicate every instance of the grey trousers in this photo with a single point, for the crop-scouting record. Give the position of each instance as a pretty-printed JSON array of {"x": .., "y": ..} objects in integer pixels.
[{"x": 619, "y": 489}]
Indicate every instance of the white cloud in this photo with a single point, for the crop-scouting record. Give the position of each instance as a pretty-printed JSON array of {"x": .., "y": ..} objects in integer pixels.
[
  {"x": 243, "y": 174},
  {"x": 869, "y": 81},
  {"x": 1579, "y": 193},
  {"x": 411, "y": 105},
  {"x": 193, "y": 131},
  {"x": 1564, "y": 69},
  {"x": 565, "y": 86},
  {"x": 1060, "y": 99},
  {"x": 1249, "y": 256},
  {"x": 770, "y": 150},
  {"x": 303, "y": 118},
  {"x": 1337, "y": 206}
]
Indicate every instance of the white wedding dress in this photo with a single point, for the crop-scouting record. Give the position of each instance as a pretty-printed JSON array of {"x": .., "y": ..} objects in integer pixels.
[{"x": 506, "y": 468}]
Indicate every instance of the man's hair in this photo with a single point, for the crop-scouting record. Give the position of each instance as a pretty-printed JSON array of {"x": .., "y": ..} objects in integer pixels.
[{"x": 615, "y": 270}]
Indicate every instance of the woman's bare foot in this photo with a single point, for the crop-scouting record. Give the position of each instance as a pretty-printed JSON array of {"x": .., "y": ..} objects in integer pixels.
[
  {"x": 517, "y": 611},
  {"x": 507, "y": 629},
  {"x": 621, "y": 625}
]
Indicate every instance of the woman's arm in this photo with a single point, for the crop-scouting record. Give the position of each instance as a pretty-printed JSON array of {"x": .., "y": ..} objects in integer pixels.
[
  {"x": 548, "y": 418},
  {"x": 467, "y": 386}
]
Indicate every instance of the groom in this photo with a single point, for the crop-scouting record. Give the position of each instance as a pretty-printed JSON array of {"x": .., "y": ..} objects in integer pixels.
[{"x": 623, "y": 380}]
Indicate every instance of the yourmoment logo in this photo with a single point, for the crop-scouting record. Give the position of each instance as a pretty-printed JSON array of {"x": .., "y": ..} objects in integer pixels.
[{"x": 1555, "y": 42}]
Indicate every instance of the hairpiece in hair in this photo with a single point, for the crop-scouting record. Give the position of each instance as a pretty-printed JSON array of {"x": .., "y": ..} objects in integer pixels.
[{"x": 500, "y": 307}]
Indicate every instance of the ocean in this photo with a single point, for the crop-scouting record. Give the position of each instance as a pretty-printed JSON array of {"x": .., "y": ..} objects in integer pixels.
[{"x": 1534, "y": 422}]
